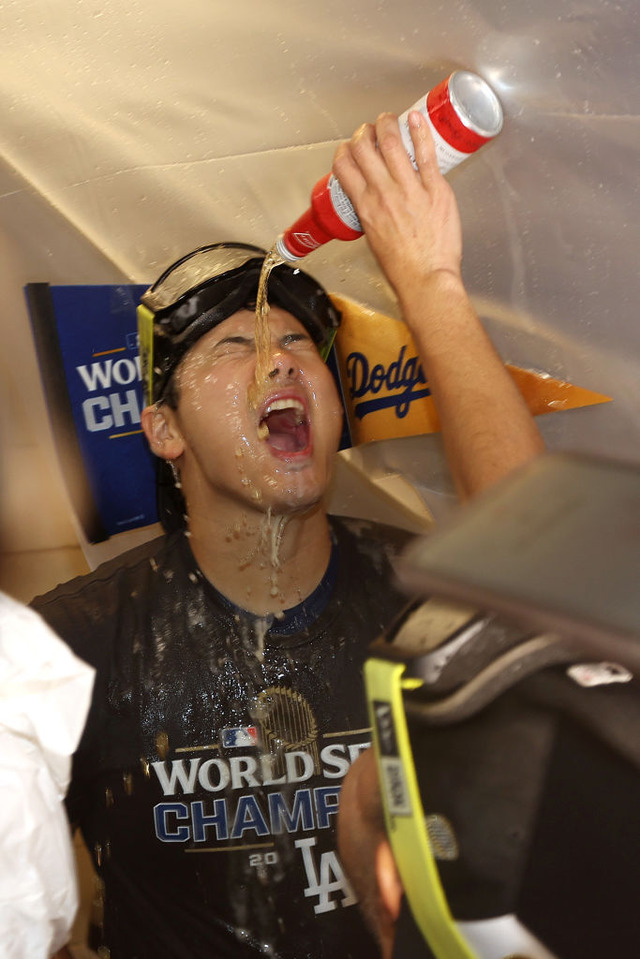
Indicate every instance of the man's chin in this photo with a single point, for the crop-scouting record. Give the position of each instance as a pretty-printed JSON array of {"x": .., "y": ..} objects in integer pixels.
[
  {"x": 296, "y": 493},
  {"x": 296, "y": 502}
]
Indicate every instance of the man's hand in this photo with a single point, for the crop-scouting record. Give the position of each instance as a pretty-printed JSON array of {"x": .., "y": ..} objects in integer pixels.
[{"x": 410, "y": 217}]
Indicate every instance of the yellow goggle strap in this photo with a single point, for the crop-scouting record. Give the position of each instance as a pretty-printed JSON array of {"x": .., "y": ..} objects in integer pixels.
[
  {"x": 403, "y": 810},
  {"x": 145, "y": 346},
  {"x": 326, "y": 349}
]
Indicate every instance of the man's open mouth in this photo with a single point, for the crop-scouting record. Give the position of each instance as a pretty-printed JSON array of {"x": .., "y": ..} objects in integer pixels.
[{"x": 284, "y": 426}]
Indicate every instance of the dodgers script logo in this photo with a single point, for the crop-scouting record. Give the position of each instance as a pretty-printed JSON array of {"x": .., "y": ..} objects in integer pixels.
[{"x": 400, "y": 381}]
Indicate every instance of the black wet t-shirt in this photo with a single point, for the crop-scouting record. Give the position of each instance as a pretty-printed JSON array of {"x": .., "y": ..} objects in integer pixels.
[{"x": 207, "y": 781}]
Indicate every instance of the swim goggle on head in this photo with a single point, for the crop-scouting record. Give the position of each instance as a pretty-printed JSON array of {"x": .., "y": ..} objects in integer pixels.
[{"x": 208, "y": 285}]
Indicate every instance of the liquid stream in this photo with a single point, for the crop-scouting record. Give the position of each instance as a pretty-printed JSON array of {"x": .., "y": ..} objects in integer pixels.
[{"x": 262, "y": 332}]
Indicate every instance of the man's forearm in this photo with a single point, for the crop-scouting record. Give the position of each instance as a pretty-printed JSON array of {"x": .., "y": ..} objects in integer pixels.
[{"x": 486, "y": 426}]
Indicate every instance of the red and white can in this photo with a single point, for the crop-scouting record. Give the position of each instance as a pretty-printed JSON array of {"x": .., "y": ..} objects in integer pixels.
[{"x": 463, "y": 113}]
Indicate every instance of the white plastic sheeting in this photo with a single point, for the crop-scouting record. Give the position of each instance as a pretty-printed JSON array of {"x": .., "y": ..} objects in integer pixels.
[
  {"x": 134, "y": 131},
  {"x": 45, "y": 693}
]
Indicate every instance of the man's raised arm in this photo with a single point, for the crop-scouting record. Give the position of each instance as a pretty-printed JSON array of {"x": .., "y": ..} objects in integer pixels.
[{"x": 412, "y": 224}]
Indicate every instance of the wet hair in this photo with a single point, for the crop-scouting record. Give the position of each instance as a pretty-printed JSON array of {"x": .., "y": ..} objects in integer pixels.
[{"x": 171, "y": 393}]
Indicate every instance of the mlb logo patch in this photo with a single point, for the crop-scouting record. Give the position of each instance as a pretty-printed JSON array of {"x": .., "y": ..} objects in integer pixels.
[{"x": 237, "y": 737}]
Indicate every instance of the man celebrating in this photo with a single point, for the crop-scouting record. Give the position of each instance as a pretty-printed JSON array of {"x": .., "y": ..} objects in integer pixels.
[{"x": 228, "y": 702}]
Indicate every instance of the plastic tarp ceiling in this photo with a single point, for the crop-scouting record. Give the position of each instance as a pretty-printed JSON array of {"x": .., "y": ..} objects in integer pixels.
[{"x": 135, "y": 131}]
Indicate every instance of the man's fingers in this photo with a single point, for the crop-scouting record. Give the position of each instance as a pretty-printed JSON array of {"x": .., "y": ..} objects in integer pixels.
[
  {"x": 364, "y": 136},
  {"x": 364, "y": 149},
  {"x": 375, "y": 154},
  {"x": 391, "y": 147},
  {"x": 347, "y": 172},
  {"x": 424, "y": 147},
  {"x": 394, "y": 153},
  {"x": 357, "y": 163}
]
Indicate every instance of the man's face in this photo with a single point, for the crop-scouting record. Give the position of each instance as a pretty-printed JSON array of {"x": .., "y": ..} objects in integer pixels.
[{"x": 276, "y": 452}]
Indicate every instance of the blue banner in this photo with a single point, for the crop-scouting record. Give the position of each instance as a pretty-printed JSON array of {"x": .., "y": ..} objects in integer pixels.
[{"x": 87, "y": 344}]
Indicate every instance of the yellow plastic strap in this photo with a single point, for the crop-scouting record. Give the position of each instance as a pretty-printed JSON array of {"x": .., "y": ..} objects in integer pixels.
[
  {"x": 145, "y": 346},
  {"x": 404, "y": 813},
  {"x": 326, "y": 349}
]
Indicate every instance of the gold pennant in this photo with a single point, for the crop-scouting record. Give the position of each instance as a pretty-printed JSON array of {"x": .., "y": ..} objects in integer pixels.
[{"x": 386, "y": 392}]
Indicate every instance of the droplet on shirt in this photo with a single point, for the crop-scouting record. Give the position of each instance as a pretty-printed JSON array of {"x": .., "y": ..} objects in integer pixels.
[{"x": 162, "y": 744}]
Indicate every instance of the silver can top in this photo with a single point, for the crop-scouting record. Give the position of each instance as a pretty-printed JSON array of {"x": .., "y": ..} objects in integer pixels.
[{"x": 475, "y": 103}]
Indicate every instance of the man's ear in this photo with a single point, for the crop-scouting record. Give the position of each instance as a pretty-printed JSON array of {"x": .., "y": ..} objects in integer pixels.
[
  {"x": 161, "y": 429},
  {"x": 389, "y": 884}
]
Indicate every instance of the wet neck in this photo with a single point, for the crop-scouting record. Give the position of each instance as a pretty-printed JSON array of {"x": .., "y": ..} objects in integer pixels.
[{"x": 262, "y": 562}]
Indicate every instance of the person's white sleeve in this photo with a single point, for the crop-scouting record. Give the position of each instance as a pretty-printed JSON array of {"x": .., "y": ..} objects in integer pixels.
[{"x": 45, "y": 692}]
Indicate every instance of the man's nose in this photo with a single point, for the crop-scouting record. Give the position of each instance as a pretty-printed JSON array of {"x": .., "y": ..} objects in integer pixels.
[{"x": 281, "y": 364}]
